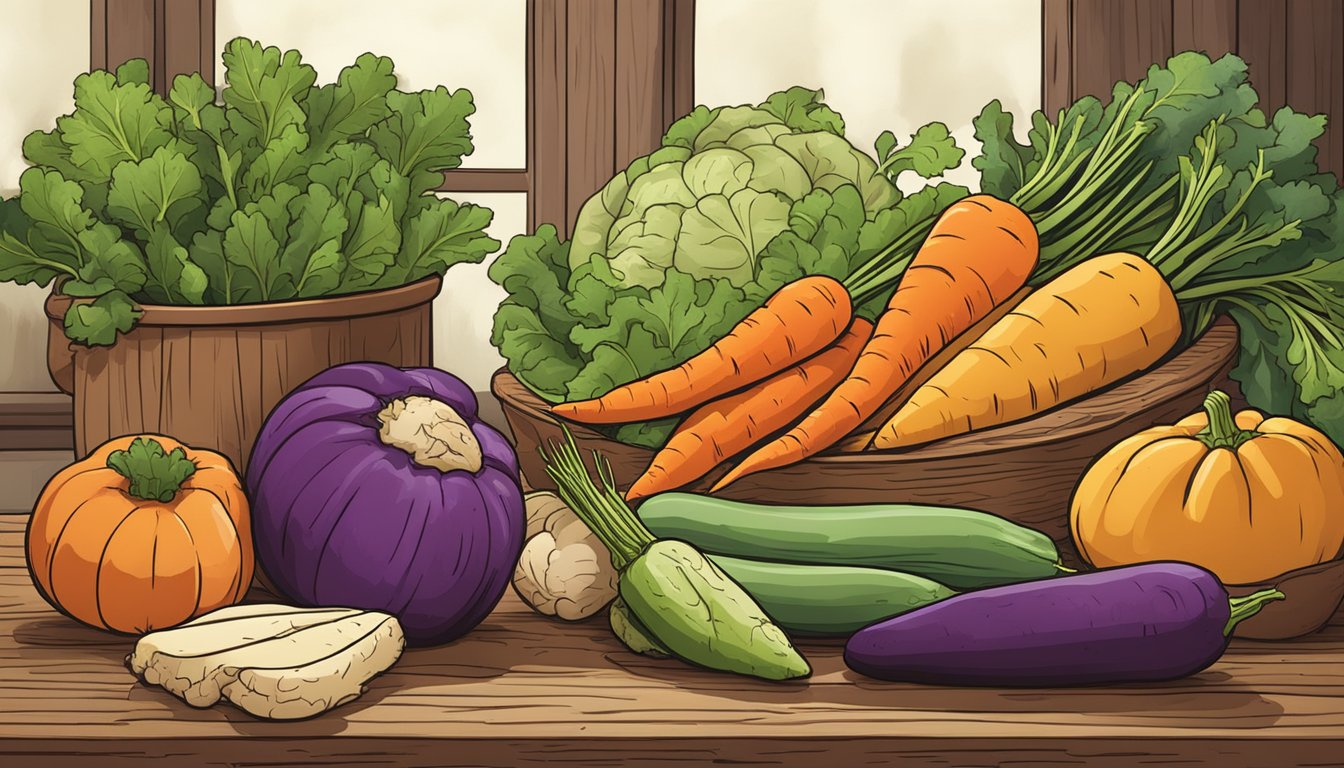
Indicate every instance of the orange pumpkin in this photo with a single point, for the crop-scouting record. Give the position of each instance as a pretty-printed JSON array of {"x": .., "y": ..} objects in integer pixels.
[
  {"x": 143, "y": 534},
  {"x": 1249, "y": 498}
]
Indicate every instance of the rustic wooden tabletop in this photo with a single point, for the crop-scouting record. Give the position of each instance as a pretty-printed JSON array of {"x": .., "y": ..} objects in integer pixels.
[{"x": 522, "y": 690}]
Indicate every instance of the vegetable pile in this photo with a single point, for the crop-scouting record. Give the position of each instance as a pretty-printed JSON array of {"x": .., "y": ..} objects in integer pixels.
[
  {"x": 923, "y": 594},
  {"x": 380, "y": 506},
  {"x": 1107, "y": 242},
  {"x": 724, "y": 584},
  {"x": 673, "y": 596},
  {"x": 1115, "y": 236},
  {"x": 686, "y": 242},
  {"x": 1225, "y": 201},
  {"x": 284, "y": 190}
]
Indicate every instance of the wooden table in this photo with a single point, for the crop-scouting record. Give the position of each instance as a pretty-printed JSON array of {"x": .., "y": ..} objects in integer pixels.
[{"x": 525, "y": 691}]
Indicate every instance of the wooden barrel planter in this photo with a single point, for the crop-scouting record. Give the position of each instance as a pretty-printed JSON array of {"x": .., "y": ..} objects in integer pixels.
[
  {"x": 209, "y": 376},
  {"x": 1025, "y": 471}
]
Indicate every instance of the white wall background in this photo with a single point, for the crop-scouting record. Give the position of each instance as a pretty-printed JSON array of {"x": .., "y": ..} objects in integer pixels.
[
  {"x": 479, "y": 45},
  {"x": 41, "y": 52},
  {"x": 884, "y": 64}
]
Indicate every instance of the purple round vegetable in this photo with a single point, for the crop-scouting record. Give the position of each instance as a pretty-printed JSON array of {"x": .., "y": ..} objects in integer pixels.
[
  {"x": 1157, "y": 621},
  {"x": 380, "y": 488}
]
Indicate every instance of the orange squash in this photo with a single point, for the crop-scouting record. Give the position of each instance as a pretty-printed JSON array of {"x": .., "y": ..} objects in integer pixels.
[
  {"x": 143, "y": 534},
  {"x": 1249, "y": 498}
]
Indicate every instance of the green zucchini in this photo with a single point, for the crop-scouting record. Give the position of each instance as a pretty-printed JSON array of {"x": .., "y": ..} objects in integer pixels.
[
  {"x": 829, "y": 599},
  {"x": 960, "y": 548}
]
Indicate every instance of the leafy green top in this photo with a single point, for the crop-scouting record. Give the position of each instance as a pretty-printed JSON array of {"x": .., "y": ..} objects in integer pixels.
[
  {"x": 284, "y": 190},
  {"x": 153, "y": 474}
]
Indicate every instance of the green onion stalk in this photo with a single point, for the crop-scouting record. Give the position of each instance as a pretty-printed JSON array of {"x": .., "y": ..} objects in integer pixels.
[{"x": 673, "y": 598}]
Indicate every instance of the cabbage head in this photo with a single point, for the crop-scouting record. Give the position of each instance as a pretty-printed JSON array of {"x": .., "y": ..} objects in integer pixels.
[
  {"x": 717, "y": 193},
  {"x": 686, "y": 241}
]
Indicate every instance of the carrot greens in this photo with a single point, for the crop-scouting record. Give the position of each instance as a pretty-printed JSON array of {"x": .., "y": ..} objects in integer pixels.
[{"x": 1228, "y": 203}]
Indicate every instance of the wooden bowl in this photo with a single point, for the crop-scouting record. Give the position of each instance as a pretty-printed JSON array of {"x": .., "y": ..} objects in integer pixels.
[
  {"x": 1311, "y": 596},
  {"x": 1025, "y": 471}
]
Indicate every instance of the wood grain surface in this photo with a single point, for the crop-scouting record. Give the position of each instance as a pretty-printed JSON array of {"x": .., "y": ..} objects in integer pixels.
[
  {"x": 1025, "y": 471},
  {"x": 524, "y": 690}
]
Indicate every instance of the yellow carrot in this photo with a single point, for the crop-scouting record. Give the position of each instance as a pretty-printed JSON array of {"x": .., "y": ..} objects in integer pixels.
[{"x": 1098, "y": 323}]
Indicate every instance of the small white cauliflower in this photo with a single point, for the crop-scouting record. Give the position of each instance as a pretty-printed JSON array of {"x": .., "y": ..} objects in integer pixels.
[{"x": 564, "y": 571}]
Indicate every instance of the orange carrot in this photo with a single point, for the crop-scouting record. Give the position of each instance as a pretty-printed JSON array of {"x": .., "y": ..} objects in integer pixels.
[
  {"x": 793, "y": 324},
  {"x": 978, "y": 254},
  {"x": 726, "y": 427}
]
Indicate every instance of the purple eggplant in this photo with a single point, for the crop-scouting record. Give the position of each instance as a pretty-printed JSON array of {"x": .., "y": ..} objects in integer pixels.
[{"x": 1157, "y": 621}]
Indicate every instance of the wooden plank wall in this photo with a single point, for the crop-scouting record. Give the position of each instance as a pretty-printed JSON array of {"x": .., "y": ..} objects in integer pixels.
[
  {"x": 1294, "y": 48},
  {"x": 605, "y": 79},
  {"x": 174, "y": 36}
]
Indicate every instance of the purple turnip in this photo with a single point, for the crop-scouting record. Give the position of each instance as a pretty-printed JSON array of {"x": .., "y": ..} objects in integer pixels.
[
  {"x": 1157, "y": 621},
  {"x": 380, "y": 488}
]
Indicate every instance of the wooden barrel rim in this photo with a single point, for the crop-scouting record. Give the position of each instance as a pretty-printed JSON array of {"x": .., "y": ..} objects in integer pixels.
[
  {"x": 273, "y": 313},
  {"x": 1192, "y": 367}
]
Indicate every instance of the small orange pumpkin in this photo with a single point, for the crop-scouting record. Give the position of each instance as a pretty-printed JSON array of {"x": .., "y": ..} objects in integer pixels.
[
  {"x": 143, "y": 534},
  {"x": 1249, "y": 498}
]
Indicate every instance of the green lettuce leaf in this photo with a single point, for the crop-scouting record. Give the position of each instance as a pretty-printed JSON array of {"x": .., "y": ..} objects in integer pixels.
[
  {"x": 282, "y": 161},
  {"x": 56, "y": 216},
  {"x": 312, "y": 258},
  {"x": 110, "y": 264},
  {"x": 349, "y": 107},
  {"x": 931, "y": 152},
  {"x": 264, "y": 91},
  {"x": 97, "y": 323},
  {"x": 112, "y": 123},
  {"x": 343, "y": 170},
  {"x": 532, "y": 326},
  {"x": 802, "y": 110},
  {"x": 253, "y": 252},
  {"x": 161, "y": 189},
  {"x": 372, "y": 243},
  {"x": 427, "y": 133},
  {"x": 443, "y": 234},
  {"x": 172, "y": 277}
]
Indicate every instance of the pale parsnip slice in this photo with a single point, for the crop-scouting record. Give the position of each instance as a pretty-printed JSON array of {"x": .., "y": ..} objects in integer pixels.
[{"x": 273, "y": 661}]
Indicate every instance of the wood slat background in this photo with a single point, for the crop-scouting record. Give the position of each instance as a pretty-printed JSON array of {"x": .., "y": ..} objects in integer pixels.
[
  {"x": 605, "y": 79},
  {"x": 1294, "y": 49}
]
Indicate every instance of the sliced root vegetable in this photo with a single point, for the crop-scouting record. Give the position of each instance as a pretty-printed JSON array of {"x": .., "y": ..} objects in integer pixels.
[
  {"x": 1100, "y": 322},
  {"x": 978, "y": 255},
  {"x": 726, "y": 427},
  {"x": 796, "y": 322}
]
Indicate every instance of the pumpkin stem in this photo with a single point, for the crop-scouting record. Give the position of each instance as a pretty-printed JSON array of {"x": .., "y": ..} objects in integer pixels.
[
  {"x": 153, "y": 474},
  {"x": 1222, "y": 431},
  {"x": 1244, "y": 608}
]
